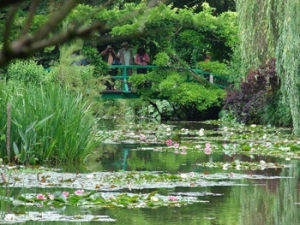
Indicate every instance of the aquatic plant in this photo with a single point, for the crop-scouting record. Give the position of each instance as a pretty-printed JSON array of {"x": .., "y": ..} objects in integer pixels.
[
  {"x": 49, "y": 121},
  {"x": 103, "y": 200}
]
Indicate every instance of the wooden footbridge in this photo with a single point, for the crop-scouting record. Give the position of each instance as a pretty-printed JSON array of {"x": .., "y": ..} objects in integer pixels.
[{"x": 124, "y": 91}]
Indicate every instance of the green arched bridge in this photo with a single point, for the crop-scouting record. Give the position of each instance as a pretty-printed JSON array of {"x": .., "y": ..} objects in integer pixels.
[{"x": 124, "y": 91}]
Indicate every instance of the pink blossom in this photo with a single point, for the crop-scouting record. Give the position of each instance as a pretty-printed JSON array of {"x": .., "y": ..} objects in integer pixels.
[
  {"x": 169, "y": 142},
  {"x": 51, "y": 197},
  {"x": 66, "y": 194},
  {"x": 41, "y": 196},
  {"x": 176, "y": 145},
  {"x": 183, "y": 153},
  {"x": 207, "y": 151},
  {"x": 79, "y": 192},
  {"x": 207, "y": 145},
  {"x": 172, "y": 198}
]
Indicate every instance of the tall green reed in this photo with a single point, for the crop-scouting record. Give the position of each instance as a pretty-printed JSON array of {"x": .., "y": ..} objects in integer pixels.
[{"x": 58, "y": 123}]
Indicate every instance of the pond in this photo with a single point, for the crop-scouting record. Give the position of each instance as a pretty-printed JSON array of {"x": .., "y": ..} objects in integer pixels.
[{"x": 179, "y": 173}]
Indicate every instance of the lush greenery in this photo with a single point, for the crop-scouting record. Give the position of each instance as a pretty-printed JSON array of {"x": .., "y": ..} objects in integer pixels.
[
  {"x": 264, "y": 36},
  {"x": 172, "y": 36},
  {"x": 48, "y": 123},
  {"x": 176, "y": 37},
  {"x": 258, "y": 100}
]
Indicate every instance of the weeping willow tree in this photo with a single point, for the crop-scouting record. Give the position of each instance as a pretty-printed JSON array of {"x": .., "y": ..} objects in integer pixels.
[{"x": 267, "y": 29}]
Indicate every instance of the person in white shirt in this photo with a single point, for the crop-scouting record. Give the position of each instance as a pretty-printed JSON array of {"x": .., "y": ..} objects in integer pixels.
[{"x": 126, "y": 57}]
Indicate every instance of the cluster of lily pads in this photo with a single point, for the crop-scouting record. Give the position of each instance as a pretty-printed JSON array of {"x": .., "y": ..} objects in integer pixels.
[
  {"x": 254, "y": 139},
  {"x": 88, "y": 199}
]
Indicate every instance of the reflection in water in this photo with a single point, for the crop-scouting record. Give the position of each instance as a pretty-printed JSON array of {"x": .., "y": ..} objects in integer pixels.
[
  {"x": 271, "y": 204},
  {"x": 259, "y": 202},
  {"x": 286, "y": 211}
]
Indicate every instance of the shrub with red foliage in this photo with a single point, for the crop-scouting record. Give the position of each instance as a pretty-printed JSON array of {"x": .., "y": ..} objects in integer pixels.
[{"x": 249, "y": 101}]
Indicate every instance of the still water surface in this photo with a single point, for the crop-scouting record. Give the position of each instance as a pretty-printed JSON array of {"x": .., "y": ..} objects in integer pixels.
[{"x": 268, "y": 201}]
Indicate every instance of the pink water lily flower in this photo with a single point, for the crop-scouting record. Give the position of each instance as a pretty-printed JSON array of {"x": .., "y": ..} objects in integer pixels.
[
  {"x": 66, "y": 194},
  {"x": 176, "y": 145},
  {"x": 79, "y": 192},
  {"x": 172, "y": 198},
  {"x": 207, "y": 145},
  {"x": 169, "y": 142},
  {"x": 183, "y": 153},
  {"x": 41, "y": 196},
  {"x": 51, "y": 197},
  {"x": 207, "y": 151}
]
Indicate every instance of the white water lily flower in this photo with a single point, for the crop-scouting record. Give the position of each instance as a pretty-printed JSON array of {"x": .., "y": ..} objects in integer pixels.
[
  {"x": 183, "y": 175},
  {"x": 154, "y": 199},
  {"x": 201, "y": 132},
  {"x": 10, "y": 216},
  {"x": 225, "y": 166},
  {"x": 168, "y": 129},
  {"x": 253, "y": 125},
  {"x": 89, "y": 176},
  {"x": 288, "y": 159},
  {"x": 262, "y": 162}
]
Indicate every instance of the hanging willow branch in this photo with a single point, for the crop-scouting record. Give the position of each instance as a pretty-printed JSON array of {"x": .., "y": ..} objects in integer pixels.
[{"x": 270, "y": 28}]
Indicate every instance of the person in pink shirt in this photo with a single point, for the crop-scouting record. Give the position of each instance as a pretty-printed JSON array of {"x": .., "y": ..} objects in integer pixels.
[{"x": 141, "y": 58}]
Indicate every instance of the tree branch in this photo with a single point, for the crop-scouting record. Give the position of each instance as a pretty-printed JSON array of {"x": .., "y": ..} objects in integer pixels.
[
  {"x": 55, "y": 19},
  {"x": 31, "y": 13},
  {"x": 7, "y": 30}
]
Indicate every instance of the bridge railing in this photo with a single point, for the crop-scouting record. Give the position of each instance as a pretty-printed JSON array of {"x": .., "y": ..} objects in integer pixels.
[{"x": 219, "y": 80}]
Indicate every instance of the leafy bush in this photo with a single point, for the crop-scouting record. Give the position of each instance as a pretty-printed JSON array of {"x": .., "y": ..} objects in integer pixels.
[
  {"x": 258, "y": 98},
  {"x": 188, "y": 100},
  {"x": 100, "y": 67},
  {"x": 214, "y": 67},
  {"x": 26, "y": 71}
]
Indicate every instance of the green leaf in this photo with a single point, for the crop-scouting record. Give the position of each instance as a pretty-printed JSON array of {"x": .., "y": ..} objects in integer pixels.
[
  {"x": 16, "y": 149},
  {"x": 22, "y": 198},
  {"x": 30, "y": 127},
  {"x": 23, "y": 136},
  {"x": 151, "y": 195},
  {"x": 17, "y": 124},
  {"x": 22, "y": 156},
  {"x": 38, "y": 125}
]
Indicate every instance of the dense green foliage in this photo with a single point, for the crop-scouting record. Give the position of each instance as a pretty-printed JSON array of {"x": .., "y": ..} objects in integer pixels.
[
  {"x": 175, "y": 37},
  {"x": 26, "y": 71},
  {"x": 271, "y": 30},
  {"x": 258, "y": 100},
  {"x": 49, "y": 123}
]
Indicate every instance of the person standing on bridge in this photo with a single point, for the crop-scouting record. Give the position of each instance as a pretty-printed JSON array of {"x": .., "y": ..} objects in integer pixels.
[
  {"x": 109, "y": 56},
  {"x": 142, "y": 59},
  {"x": 126, "y": 57}
]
